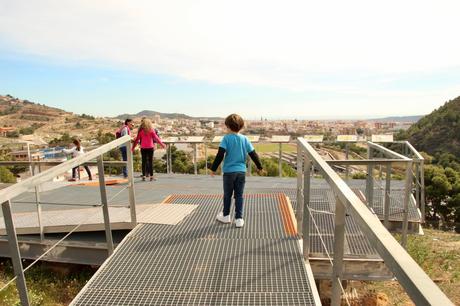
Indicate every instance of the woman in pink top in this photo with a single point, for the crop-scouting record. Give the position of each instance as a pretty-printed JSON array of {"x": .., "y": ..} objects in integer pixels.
[{"x": 147, "y": 138}]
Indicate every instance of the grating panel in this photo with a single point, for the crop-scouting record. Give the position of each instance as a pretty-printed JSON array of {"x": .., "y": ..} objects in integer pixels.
[
  {"x": 118, "y": 297},
  {"x": 202, "y": 262}
]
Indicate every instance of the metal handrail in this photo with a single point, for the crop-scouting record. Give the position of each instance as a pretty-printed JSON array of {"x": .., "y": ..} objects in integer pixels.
[
  {"x": 421, "y": 289},
  {"x": 34, "y": 181}
]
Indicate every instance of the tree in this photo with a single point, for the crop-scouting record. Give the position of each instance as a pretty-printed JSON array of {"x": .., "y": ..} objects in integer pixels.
[
  {"x": 6, "y": 176},
  {"x": 104, "y": 138},
  {"x": 442, "y": 190}
]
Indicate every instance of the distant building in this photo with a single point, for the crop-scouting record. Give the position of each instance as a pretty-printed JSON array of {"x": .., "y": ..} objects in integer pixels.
[{"x": 6, "y": 130}]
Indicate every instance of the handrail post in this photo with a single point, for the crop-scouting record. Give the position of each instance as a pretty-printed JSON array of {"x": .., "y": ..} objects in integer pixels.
[
  {"x": 300, "y": 206},
  {"x": 306, "y": 207},
  {"x": 407, "y": 194},
  {"x": 39, "y": 207},
  {"x": 167, "y": 158},
  {"x": 370, "y": 180},
  {"x": 339, "y": 241},
  {"x": 347, "y": 167},
  {"x": 417, "y": 184},
  {"x": 195, "y": 159},
  {"x": 104, "y": 202},
  {"x": 170, "y": 159},
  {"x": 249, "y": 167},
  {"x": 280, "y": 168},
  {"x": 387, "y": 202},
  {"x": 422, "y": 190},
  {"x": 206, "y": 159},
  {"x": 131, "y": 191},
  {"x": 15, "y": 254}
]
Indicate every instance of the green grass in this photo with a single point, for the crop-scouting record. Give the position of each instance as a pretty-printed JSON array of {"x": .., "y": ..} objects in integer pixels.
[
  {"x": 274, "y": 147},
  {"x": 47, "y": 284}
]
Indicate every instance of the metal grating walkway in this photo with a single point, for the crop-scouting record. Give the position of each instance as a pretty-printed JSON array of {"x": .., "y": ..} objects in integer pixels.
[{"x": 203, "y": 262}]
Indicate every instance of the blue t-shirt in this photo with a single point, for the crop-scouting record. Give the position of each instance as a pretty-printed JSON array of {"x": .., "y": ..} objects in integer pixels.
[{"x": 236, "y": 147}]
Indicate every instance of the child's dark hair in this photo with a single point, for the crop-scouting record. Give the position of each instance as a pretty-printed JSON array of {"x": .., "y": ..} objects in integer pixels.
[
  {"x": 234, "y": 122},
  {"x": 77, "y": 143}
]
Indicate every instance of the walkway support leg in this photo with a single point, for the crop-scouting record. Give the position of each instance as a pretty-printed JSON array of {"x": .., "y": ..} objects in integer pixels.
[
  {"x": 105, "y": 207},
  {"x": 339, "y": 241},
  {"x": 15, "y": 254}
]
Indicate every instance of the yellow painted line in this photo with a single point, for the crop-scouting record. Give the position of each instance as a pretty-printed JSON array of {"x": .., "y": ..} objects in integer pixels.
[{"x": 288, "y": 223}]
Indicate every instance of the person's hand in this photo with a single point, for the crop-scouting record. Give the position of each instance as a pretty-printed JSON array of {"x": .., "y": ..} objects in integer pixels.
[
  {"x": 261, "y": 172},
  {"x": 213, "y": 173}
]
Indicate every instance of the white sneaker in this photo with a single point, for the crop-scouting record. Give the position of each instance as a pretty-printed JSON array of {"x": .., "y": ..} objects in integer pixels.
[
  {"x": 224, "y": 219},
  {"x": 239, "y": 222}
]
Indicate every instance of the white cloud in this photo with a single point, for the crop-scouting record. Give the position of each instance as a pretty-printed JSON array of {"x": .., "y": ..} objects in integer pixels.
[{"x": 292, "y": 44}]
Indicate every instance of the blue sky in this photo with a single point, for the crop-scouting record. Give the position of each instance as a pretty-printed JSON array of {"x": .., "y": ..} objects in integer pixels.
[{"x": 274, "y": 59}]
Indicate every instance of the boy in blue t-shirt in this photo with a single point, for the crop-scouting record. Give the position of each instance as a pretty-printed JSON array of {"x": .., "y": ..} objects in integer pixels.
[{"x": 235, "y": 147}]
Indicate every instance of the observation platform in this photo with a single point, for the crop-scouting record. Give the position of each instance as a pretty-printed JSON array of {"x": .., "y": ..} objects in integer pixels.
[{"x": 89, "y": 247}]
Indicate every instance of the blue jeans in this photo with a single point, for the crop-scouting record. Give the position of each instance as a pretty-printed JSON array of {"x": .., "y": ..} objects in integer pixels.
[
  {"x": 234, "y": 185},
  {"x": 124, "y": 156}
]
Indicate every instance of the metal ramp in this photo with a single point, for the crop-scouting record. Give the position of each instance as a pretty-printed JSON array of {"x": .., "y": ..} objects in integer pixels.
[{"x": 202, "y": 262}]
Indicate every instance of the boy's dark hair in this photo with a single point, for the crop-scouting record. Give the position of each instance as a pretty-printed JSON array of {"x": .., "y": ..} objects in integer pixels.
[
  {"x": 234, "y": 122},
  {"x": 128, "y": 121}
]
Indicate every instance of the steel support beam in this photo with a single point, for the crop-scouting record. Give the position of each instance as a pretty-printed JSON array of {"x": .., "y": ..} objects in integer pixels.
[
  {"x": 104, "y": 202},
  {"x": 15, "y": 254}
]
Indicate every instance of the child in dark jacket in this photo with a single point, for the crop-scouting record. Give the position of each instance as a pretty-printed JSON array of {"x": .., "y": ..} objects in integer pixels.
[{"x": 233, "y": 150}]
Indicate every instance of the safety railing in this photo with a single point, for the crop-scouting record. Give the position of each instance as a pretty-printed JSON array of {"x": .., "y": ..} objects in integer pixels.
[
  {"x": 421, "y": 289},
  {"x": 33, "y": 182},
  {"x": 419, "y": 174}
]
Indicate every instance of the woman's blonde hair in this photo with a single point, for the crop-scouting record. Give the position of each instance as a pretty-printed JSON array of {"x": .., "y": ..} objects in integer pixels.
[{"x": 146, "y": 125}]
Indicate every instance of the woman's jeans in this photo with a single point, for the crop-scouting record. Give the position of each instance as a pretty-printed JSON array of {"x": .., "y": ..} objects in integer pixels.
[
  {"x": 234, "y": 185},
  {"x": 147, "y": 162}
]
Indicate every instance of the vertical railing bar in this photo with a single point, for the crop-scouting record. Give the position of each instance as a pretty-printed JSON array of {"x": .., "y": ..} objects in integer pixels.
[
  {"x": 131, "y": 191},
  {"x": 105, "y": 208},
  {"x": 280, "y": 169},
  {"x": 339, "y": 244},
  {"x": 15, "y": 253}
]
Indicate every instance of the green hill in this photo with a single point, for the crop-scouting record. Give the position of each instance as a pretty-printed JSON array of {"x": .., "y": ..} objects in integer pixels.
[{"x": 438, "y": 131}]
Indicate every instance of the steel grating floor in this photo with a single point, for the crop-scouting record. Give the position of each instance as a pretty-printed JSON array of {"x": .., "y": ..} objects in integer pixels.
[{"x": 203, "y": 262}]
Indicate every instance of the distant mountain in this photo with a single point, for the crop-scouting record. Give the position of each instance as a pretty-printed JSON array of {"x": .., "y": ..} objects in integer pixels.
[
  {"x": 438, "y": 131},
  {"x": 398, "y": 119},
  {"x": 149, "y": 114}
]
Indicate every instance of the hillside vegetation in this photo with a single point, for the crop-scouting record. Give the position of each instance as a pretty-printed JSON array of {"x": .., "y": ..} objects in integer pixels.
[
  {"x": 438, "y": 131},
  {"x": 22, "y": 117}
]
